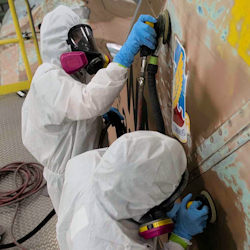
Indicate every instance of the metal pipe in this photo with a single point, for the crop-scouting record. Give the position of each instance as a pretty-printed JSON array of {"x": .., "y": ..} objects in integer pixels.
[
  {"x": 140, "y": 103},
  {"x": 143, "y": 66},
  {"x": 8, "y": 41},
  {"x": 14, "y": 87},
  {"x": 20, "y": 39},
  {"x": 32, "y": 27},
  {"x": 141, "y": 83}
]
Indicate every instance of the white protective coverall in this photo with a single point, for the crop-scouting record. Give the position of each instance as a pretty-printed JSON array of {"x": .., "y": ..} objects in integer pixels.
[
  {"x": 61, "y": 117},
  {"x": 104, "y": 187}
]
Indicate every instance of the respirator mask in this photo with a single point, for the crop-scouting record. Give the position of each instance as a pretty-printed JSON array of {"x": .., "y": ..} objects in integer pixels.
[{"x": 84, "y": 51}]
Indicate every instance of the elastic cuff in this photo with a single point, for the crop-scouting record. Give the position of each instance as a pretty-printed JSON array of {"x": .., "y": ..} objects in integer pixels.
[
  {"x": 122, "y": 65},
  {"x": 179, "y": 240}
]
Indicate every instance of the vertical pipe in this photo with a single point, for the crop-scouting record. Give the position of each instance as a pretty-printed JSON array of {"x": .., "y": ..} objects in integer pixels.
[
  {"x": 20, "y": 39},
  {"x": 32, "y": 27},
  {"x": 140, "y": 104},
  {"x": 141, "y": 82}
]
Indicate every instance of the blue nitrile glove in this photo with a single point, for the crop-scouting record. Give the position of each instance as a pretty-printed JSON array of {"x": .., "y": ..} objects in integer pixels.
[
  {"x": 107, "y": 117},
  {"x": 141, "y": 34},
  {"x": 173, "y": 212},
  {"x": 190, "y": 221}
]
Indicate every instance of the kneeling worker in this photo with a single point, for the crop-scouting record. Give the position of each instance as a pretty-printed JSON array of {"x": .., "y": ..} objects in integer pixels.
[{"x": 104, "y": 188}]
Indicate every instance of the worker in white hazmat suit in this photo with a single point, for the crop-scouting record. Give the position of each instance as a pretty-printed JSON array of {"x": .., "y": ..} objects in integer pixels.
[
  {"x": 103, "y": 188},
  {"x": 62, "y": 117}
]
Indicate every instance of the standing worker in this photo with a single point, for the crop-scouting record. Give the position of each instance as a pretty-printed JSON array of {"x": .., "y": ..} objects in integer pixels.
[
  {"x": 105, "y": 188},
  {"x": 61, "y": 116}
]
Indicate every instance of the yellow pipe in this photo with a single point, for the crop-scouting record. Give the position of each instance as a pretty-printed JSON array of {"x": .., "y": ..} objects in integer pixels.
[
  {"x": 32, "y": 27},
  {"x": 7, "y": 41},
  {"x": 21, "y": 40},
  {"x": 14, "y": 87}
]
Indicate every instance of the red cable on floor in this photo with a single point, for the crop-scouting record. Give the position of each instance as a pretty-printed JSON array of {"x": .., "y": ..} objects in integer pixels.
[{"x": 31, "y": 176}]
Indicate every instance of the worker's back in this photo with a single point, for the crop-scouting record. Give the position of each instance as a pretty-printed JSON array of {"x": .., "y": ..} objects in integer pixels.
[
  {"x": 105, "y": 187},
  {"x": 47, "y": 132}
]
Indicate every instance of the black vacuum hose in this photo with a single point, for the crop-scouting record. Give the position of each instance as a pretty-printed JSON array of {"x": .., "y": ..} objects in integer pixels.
[
  {"x": 152, "y": 70},
  {"x": 30, "y": 234}
]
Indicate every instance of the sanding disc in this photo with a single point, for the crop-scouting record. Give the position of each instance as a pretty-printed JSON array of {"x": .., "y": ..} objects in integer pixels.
[
  {"x": 211, "y": 204},
  {"x": 162, "y": 26},
  {"x": 166, "y": 26}
]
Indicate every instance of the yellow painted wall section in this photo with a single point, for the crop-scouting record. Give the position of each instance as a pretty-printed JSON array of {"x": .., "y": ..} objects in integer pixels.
[
  {"x": 178, "y": 82},
  {"x": 239, "y": 29}
]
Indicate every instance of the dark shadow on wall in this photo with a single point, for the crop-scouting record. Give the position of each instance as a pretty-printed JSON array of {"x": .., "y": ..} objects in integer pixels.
[
  {"x": 217, "y": 236},
  {"x": 199, "y": 102},
  {"x": 202, "y": 112}
]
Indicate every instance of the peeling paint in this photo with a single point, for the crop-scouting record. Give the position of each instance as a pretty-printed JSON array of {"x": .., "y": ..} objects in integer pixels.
[
  {"x": 230, "y": 22},
  {"x": 208, "y": 41},
  {"x": 225, "y": 150},
  {"x": 229, "y": 173},
  {"x": 176, "y": 26},
  {"x": 212, "y": 26},
  {"x": 221, "y": 135},
  {"x": 224, "y": 34},
  {"x": 211, "y": 10},
  {"x": 200, "y": 10},
  {"x": 218, "y": 141}
]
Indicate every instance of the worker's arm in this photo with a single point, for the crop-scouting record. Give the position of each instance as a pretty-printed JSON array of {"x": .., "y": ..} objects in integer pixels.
[
  {"x": 71, "y": 99},
  {"x": 68, "y": 98},
  {"x": 188, "y": 222},
  {"x": 141, "y": 34}
]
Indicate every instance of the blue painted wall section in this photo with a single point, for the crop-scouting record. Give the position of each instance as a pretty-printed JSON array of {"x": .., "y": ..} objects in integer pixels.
[
  {"x": 215, "y": 14},
  {"x": 229, "y": 173}
]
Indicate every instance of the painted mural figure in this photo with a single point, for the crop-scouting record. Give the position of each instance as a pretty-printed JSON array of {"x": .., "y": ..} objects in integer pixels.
[{"x": 179, "y": 93}]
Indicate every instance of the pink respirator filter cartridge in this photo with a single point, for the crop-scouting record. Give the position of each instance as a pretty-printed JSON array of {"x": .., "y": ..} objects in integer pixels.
[{"x": 73, "y": 61}]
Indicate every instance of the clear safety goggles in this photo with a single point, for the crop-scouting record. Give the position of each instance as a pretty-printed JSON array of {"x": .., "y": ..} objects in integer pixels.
[{"x": 80, "y": 38}]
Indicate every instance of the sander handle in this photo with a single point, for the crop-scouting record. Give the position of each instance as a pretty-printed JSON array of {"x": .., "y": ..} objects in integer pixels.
[{"x": 145, "y": 51}]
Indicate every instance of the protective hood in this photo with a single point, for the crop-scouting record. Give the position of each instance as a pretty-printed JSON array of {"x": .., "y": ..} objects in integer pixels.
[
  {"x": 137, "y": 172},
  {"x": 54, "y": 33}
]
